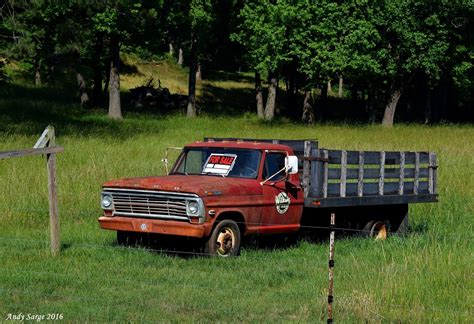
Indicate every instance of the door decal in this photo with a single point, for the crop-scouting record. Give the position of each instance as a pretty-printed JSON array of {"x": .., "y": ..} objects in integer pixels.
[{"x": 282, "y": 202}]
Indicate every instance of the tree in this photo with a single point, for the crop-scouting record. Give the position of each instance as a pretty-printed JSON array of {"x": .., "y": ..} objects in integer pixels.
[
  {"x": 200, "y": 15},
  {"x": 265, "y": 32},
  {"x": 414, "y": 40},
  {"x": 122, "y": 23}
]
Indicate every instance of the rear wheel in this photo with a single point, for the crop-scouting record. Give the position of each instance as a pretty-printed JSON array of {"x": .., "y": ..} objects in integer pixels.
[
  {"x": 376, "y": 229},
  {"x": 224, "y": 240}
]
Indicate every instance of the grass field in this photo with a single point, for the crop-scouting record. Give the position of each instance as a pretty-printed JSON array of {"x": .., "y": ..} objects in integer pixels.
[{"x": 426, "y": 276}]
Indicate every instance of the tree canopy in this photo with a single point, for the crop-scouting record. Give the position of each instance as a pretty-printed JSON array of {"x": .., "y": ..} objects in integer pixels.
[{"x": 384, "y": 52}]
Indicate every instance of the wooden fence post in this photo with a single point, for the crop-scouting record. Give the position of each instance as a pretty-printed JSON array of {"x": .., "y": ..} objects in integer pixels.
[
  {"x": 53, "y": 195},
  {"x": 46, "y": 145}
]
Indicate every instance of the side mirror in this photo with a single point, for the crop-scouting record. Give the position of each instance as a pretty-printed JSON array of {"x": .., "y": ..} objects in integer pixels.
[{"x": 291, "y": 164}]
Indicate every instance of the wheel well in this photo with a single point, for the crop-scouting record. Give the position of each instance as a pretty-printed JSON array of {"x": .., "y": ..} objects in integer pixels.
[{"x": 235, "y": 216}]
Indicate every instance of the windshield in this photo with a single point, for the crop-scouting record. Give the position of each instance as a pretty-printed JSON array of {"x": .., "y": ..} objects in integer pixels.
[{"x": 236, "y": 163}]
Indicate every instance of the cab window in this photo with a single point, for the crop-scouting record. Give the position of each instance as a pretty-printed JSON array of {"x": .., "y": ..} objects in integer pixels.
[{"x": 274, "y": 162}]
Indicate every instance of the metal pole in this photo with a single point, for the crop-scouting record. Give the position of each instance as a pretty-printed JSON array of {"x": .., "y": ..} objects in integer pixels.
[{"x": 331, "y": 266}]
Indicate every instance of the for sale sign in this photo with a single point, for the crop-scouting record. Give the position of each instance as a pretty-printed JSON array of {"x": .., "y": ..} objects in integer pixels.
[{"x": 219, "y": 163}]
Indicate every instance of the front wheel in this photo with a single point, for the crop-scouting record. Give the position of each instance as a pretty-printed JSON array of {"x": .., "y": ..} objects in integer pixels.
[{"x": 224, "y": 240}]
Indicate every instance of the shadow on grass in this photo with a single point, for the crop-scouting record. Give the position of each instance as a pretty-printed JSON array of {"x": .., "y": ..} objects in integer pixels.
[
  {"x": 187, "y": 248},
  {"x": 28, "y": 110},
  {"x": 217, "y": 101},
  {"x": 229, "y": 76}
]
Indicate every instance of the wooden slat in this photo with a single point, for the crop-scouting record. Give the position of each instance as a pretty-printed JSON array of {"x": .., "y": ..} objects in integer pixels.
[
  {"x": 401, "y": 172},
  {"x": 432, "y": 178},
  {"x": 372, "y": 173},
  {"x": 382, "y": 173},
  {"x": 417, "y": 173},
  {"x": 32, "y": 151},
  {"x": 360, "y": 176},
  {"x": 325, "y": 174},
  {"x": 313, "y": 179},
  {"x": 306, "y": 168},
  {"x": 343, "y": 173},
  {"x": 373, "y": 157},
  {"x": 44, "y": 138},
  {"x": 372, "y": 189},
  {"x": 393, "y": 158}
]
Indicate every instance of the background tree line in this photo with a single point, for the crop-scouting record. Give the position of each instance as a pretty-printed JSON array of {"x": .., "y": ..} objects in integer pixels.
[{"x": 386, "y": 53}]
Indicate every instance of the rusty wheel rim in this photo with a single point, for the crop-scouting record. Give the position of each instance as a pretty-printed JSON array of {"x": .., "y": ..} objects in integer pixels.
[
  {"x": 225, "y": 241},
  {"x": 378, "y": 231}
]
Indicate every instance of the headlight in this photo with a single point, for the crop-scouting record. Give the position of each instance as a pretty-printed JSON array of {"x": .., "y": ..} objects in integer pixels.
[
  {"x": 195, "y": 211},
  {"x": 106, "y": 201},
  {"x": 193, "y": 208}
]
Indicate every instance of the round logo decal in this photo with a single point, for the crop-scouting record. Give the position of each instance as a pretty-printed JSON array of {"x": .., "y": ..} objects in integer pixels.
[
  {"x": 143, "y": 227},
  {"x": 282, "y": 202}
]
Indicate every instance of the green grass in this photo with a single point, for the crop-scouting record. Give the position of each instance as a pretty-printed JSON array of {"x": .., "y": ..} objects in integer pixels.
[{"x": 424, "y": 277}]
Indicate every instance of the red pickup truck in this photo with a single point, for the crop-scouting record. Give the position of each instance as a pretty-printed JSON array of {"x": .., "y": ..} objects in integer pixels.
[{"x": 222, "y": 189}]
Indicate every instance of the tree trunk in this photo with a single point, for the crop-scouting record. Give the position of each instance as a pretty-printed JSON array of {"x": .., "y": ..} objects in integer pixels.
[
  {"x": 389, "y": 114},
  {"x": 37, "y": 72},
  {"x": 171, "y": 51},
  {"x": 106, "y": 85},
  {"x": 370, "y": 104},
  {"x": 354, "y": 93},
  {"x": 81, "y": 82},
  {"x": 308, "y": 113},
  {"x": 97, "y": 94},
  {"x": 180, "y": 57},
  {"x": 198, "y": 72},
  {"x": 115, "y": 110},
  {"x": 329, "y": 87},
  {"x": 37, "y": 77},
  {"x": 341, "y": 84},
  {"x": 259, "y": 96},
  {"x": 191, "y": 111},
  {"x": 292, "y": 98},
  {"x": 271, "y": 98},
  {"x": 428, "y": 107},
  {"x": 324, "y": 92}
]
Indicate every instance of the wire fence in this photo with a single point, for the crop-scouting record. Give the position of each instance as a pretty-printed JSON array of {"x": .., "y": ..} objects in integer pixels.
[
  {"x": 75, "y": 212},
  {"x": 156, "y": 284}
]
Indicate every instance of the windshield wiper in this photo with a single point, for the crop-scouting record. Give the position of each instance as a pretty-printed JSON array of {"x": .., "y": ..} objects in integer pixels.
[{"x": 213, "y": 174}]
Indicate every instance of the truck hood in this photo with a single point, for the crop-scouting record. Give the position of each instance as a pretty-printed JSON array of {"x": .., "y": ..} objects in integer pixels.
[{"x": 197, "y": 184}]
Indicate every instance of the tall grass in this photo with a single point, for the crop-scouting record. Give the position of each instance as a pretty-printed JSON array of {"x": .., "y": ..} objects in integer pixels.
[{"x": 424, "y": 277}]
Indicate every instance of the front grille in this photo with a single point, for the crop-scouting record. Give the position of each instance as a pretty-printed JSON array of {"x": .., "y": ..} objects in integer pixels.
[{"x": 144, "y": 203}]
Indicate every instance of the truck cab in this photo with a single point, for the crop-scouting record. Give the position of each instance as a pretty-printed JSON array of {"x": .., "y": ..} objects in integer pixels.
[{"x": 217, "y": 191}]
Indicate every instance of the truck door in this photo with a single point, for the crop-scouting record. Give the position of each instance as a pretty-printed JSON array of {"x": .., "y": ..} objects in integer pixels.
[{"x": 283, "y": 196}]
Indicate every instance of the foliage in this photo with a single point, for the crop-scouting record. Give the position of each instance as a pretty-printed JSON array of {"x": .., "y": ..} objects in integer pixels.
[{"x": 377, "y": 46}]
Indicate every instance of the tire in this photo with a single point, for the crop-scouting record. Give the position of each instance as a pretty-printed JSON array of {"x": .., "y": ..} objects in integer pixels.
[
  {"x": 376, "y": 229},
  {"x": 224, "y": 240}
]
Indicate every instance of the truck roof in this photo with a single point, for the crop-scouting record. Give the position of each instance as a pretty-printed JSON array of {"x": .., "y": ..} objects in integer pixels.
[{"x": 241, "y": 144}]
